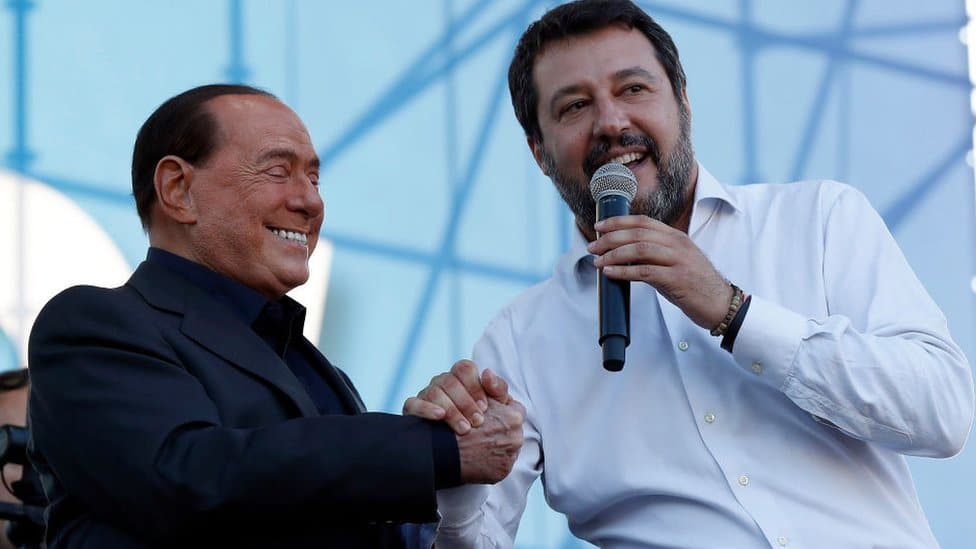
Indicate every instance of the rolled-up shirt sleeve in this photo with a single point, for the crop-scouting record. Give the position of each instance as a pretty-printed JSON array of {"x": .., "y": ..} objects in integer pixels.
[{"x": 881, "y": 365}]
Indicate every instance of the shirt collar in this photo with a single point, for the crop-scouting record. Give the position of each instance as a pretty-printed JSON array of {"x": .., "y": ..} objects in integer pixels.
[{"x": 710, "y": 194}]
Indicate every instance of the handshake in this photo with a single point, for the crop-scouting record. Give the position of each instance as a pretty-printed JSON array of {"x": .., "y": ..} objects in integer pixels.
[{"x": 485, "y": 419}]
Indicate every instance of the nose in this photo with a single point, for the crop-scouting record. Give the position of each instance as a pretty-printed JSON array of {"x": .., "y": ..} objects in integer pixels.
[
  {"x": 611, "y": 120},
  {"x": 305, "y": 198}
]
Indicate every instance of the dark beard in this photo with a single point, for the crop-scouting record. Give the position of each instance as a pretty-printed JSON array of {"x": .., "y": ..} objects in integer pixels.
[{"x": 664, "y": 203}]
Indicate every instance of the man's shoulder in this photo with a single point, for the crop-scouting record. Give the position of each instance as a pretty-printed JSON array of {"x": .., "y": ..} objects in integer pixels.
[
  {"x": 816, "y": 197},
  {"x": 84, "y": 296},
  {"x": 85, "y": 304},
  {"x": 809, "y": 189}
]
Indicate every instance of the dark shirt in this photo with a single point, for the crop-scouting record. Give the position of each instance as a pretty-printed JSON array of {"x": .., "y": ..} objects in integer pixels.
[{"x": 280, "y": 324}]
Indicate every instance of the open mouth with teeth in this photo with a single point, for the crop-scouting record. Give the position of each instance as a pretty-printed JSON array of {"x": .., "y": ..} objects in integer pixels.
[
  {"x": 630, "y": 159},
  {"x": 291, "y": 236}
]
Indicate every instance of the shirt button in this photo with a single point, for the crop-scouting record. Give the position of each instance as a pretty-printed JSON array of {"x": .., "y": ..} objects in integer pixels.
[
  {"x": 683, "y": 345},
  {"x": 757, "y": 367},
  {"x": 744, "y": 480},
  {"x": 783, "y": 541},
  {"x": 709, "y": 417}
]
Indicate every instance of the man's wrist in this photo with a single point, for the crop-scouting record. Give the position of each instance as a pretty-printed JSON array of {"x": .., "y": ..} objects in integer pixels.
[{"x": 734, "y": 304}]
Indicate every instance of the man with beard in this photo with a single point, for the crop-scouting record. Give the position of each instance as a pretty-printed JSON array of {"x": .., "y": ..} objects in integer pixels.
[{"x": 777, "y": 415}]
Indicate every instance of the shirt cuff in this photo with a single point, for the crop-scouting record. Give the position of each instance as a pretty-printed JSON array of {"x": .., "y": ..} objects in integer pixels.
[
  {"x": 460, "y": 507},
  {"x": 447, "y": 460},
  {"x": 768, "y": 340}
]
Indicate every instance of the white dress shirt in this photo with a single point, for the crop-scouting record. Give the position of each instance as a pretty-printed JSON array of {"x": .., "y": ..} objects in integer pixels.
[{"x": 842, "y": 364}]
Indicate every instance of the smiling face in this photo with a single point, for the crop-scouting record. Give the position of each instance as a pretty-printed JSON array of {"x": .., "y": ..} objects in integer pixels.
[
  {"x": 257, "y": 209},
  {"x": 604, "y": 96}
]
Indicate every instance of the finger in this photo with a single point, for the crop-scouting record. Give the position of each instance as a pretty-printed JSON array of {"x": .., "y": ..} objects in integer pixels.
[
  {"x": 619, "y": 222},
  {"x": 467, "y": 374},
  {"x": 456, "y": 420},
  {"x": 453, "y": 396},
  {"x": 615, "y": 239},
  {"x": 634, "y": 273},
  {"x": 496, "y": 387},
  {"x": 610, "y": 240},
  {"x": 421, "y": 408},
  {"x": 642, "y": 252}
]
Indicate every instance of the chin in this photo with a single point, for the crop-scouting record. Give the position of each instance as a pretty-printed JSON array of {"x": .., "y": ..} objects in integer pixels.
[{"x": 296, "y": 280}]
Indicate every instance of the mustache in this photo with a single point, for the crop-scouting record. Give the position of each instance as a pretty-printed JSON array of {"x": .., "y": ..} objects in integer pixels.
[{"x": 594, "y": 158}]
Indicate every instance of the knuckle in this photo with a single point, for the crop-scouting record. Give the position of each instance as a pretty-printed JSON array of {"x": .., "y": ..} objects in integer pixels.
[
  {"x": 517, "y": 419},
  {"x": 516, "y": 440},
  {"x": 452, "y": 414},
  {"x": 464, "y": 368},
  {"x": 437, "y": 380},
  {"x": 450, "y": 383}
]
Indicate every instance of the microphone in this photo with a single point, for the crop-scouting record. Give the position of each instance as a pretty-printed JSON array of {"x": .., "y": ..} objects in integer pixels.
[{"x": 613, "y": 186}]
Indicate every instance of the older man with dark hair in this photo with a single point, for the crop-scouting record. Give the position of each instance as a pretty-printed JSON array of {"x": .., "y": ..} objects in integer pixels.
[
  {"x": 775, "y": 415},
  {"x": 185, "y": 408}
]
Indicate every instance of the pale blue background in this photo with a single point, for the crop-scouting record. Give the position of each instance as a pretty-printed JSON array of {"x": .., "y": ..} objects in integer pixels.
[{"x": 438, "y": 214}]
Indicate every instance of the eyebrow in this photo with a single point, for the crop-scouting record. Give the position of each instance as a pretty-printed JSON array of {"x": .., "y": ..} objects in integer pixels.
[
  {"x": 284, "y": 153},
  {"x": 619, "y": 75},
  {"x": 635, "y": 71}
]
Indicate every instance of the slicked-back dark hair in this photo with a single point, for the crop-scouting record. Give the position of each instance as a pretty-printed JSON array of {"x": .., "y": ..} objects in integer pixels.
[
  {"x": 182, "y": 126},
  {"x": 575, "y": 19}
]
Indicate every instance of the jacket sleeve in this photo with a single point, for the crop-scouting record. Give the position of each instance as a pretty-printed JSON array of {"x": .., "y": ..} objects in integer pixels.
[
  {"x": 129, "y": 432},
  {"x": 881, "y": 366}
]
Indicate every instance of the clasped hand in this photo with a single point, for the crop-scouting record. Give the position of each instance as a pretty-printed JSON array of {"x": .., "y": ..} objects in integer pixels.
[{"x": 486, "y": 419}]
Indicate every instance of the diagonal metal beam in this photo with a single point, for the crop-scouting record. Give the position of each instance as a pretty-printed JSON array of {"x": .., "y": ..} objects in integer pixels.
[
  {"x": 895, "y": 214},
  {"x": 430, "y": 66},
  {"x": 424, "y": 257},
  {"x": 817, "y": 42},
  {"x": 444, "y": 258},
  {"x": 826, "y": 85},
  {"x": 944, "y": 26}
]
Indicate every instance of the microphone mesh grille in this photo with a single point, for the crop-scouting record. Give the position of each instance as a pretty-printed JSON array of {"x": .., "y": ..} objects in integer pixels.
[{"x": 613, "y": 178}]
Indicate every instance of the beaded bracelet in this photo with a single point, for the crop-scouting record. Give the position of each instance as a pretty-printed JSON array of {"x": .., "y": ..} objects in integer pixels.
[{"x": 733, "y": 308}]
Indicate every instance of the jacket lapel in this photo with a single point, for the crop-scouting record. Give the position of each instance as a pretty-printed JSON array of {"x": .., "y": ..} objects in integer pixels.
[
  {"x": 209, "y": 324},
  {"x": 340, "y": 383}
]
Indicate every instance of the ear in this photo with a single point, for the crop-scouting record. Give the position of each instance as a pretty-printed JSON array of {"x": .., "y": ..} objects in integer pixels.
[
  {"x": 172, "y": 180},
  {"x": 536, "y": 148}
]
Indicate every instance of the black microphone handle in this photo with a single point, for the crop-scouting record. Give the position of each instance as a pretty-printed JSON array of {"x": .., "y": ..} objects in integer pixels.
[{"x": 614, "y": 296}]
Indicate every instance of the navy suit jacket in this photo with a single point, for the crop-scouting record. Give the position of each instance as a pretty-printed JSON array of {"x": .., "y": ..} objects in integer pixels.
[{"x": 159, "y": 419}]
